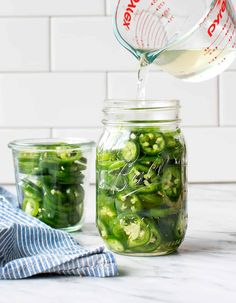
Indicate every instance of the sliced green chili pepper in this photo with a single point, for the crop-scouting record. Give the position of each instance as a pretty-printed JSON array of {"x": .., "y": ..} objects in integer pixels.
[
  {"x": 31, "y": 206},
  {"x": 151, "y": 200},
  {"x": 106, "y": 212},
  {"x": 171, "y": 182},
  {"x": 143, "y": 179},
  {"x": 181, "y": 225},
  {"x": 152, "y": 143},
  {"x": 154, "y": 241},
  {"x": 127, "y": 202},
  {"x": 102, "y": 229},
  {"x": 131, "y": 229},
  {"x": 153, "y": 162},
  {"x": 115, "y": 245},
  {"x": 28, "y": 163},
  {"x": 59, "y": 177},
  {"x": 162, "y": 212},
  {"x": 130, "y": 152},
  {"x": 30, "y": 189}
]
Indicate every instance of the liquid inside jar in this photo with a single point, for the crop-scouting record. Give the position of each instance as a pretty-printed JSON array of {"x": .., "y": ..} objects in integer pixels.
[{"x": 141, "y": 190}]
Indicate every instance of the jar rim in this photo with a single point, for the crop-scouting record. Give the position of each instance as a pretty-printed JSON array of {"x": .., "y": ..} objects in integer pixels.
[
  {"x": 134, "y": 104},
  {"x": 43, "y": 144}
]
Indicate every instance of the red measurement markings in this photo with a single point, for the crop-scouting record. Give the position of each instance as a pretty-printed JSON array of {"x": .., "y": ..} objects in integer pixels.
[
  {"x": 156, "y": 29},
  {"x": 226, "y": 47},
  {"x": 143, "y": 31},
  {"x": 225, "y": 35},
  {"x": 208, "y": 49},
  {"x": 148, "y": 29},
  {"x": 156, "y": 40},
  {"x": 222, "y": 40},
  {"x": 136, "y": 30},
  {"x": 150, "y": 34}
]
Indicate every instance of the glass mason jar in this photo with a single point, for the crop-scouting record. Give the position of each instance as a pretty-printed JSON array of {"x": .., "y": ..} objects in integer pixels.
[
  {"x": 52, "y": 179},
  {"x": 141, "y": 178}
]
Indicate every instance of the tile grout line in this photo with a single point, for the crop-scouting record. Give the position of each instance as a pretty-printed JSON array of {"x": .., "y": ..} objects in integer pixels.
[
  {"x": 54, "y": 16},
  {"x": 105, "y": 8},
  {"x": 113, "y": 71},
  {"x": 51, "y": 132}
]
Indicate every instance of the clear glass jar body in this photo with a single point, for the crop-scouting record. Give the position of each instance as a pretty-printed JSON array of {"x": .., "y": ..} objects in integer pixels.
[
  {"x": 141, "y": 178},
  {"x": 52, "y": 179}
]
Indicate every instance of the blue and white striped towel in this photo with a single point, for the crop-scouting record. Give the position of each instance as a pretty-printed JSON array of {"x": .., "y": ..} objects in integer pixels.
[{"x": 28, "y": 247}]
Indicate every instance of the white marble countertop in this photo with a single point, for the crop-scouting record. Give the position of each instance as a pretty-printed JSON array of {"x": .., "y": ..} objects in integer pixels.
[{"x": 203, "y": 270}]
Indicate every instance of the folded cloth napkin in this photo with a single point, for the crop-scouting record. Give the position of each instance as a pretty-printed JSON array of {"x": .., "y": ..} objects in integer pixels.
[{"x": 29, "y": 247}]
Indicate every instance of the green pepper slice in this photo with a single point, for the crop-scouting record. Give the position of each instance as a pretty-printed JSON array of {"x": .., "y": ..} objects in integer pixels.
[
  {"x": 127, "y": 202},
  {"x": 130, "y": 151},
  {"x": 132, "y": 230},
  {"x": 153, "y": 162},
  {"x": 28, "y": 163},
  {"x": 154, "y": 241},
  {"x": 106, "y": 210},
  {"x": 115, "y": 245},
  {"x": 75, "y": 194},
  {"x": 151, "y": 200},
  {"x": 31, "y": 206},
  {"x": 105, "y": 159},
  {"x": 30, "y": 189},
  {"x": 162, "y": 212},
  {"x": 143, "y": 179},
  {"x": 60, "y": 177},
  {"x": 152, "y": 143},
  {"x": 181, "y": 225},
  {"x": 171, "y": 182},
  {"x": 103, "y": 230},
  {"x": 60, "y": 219}
]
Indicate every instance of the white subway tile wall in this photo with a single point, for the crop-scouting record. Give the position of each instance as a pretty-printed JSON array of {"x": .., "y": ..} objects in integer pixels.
[
  {"x": 51, "y": 99},
  {"x": 51, "y": 7},
  {"x": 87, "y": 44},
  {"x": 59, "y": 60},
  {"x": 24, "y": 44}
]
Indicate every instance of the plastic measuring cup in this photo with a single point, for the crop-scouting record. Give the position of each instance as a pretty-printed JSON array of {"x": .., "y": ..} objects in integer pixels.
[{"x": 192, "y": 40}]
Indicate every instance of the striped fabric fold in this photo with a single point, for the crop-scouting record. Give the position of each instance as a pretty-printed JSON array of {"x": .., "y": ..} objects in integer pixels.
[{"x": 29, "y": 247}]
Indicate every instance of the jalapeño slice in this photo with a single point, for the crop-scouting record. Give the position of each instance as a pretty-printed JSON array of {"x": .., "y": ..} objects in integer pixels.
[
  {"x": 130, "y": 152},
  {"x": 132, "y": 229},
  {"x": 127, "y": 202},
  {"x": 143, "y": 179},
  {"x": 31, "y": 206},
  {"x": 152, "y": 143},
  {"x": 171, "y": 182}
]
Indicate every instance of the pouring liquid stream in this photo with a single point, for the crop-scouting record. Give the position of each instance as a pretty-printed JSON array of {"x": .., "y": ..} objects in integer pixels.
[{"x": 143, "y": 74}]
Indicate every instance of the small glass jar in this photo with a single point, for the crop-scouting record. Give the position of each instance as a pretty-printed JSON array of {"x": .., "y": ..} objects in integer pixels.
[
  {"x": 141, "y": 178},
  {"x": 52, "y": 179}
]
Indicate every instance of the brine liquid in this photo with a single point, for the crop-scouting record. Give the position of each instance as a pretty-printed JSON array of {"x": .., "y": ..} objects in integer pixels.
[
  {"x": 195, "y": 64},
  {"x": 143, "y": 74},
  {"x": 189, "y": 65}
]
